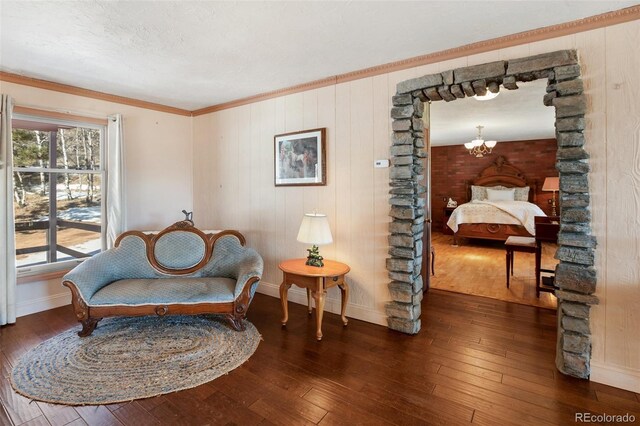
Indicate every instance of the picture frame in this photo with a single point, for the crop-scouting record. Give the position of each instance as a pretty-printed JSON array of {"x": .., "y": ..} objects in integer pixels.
[{"x": 300, "y": 158}]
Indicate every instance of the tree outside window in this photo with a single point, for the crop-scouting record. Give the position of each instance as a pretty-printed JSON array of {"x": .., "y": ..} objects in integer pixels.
[{"x": 58, "y": 200}]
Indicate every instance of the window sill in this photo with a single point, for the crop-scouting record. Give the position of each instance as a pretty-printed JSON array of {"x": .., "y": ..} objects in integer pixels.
[{"x": 44, "y": 276}]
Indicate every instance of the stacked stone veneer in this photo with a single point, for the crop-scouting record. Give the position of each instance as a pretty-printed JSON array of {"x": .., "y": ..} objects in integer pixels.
[
  {"x": 408, "y": 198},
  {"x": 575, "y": 276}
]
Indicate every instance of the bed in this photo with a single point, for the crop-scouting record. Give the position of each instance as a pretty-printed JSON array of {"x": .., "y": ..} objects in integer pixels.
[{"x": 501, "y": 216}]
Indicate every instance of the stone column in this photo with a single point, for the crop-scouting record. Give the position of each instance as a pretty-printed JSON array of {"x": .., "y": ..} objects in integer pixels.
[
  {"x": 407, "y": 210},
  {"x": 575, "y": 275}
]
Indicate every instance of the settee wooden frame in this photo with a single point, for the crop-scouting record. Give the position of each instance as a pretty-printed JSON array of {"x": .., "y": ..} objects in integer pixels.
[{"x": 234, "y": 311}]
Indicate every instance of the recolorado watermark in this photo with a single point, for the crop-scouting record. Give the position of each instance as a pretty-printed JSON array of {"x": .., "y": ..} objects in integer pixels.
[{"x": 604, "y": 418}]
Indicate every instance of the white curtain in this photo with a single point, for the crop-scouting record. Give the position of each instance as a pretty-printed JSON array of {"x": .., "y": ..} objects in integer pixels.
[
  {"x": 116, "y": 209},
  {"x": 7, "y": 226}
]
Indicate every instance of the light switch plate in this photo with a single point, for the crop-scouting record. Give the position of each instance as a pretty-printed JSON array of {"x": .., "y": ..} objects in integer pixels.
[{"x": 380, "y": 164}]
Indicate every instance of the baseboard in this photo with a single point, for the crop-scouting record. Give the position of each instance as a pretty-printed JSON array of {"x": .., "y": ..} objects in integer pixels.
[
  {"x": 331, "y": 305},
  {"x": 619, "y": 377},
  {"x": 32, "y": 306},
  {"x": 363, "y": 313}
]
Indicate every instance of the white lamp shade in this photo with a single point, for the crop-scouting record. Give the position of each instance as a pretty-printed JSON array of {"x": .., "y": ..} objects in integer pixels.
[
  {"x": 315, "y": 229},
  {"x": 468, "y": 145},
  {"x": 490, "y": 144},
  {"x": 551, "y": 184},
  {"x": 477, "y": 142}
]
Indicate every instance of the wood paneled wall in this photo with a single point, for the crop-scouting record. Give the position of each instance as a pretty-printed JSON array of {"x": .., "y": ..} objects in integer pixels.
[
  {"x": 614, "y": 61},
  {"x": 452, "y": 166},
  {"x": 236, "y": 189},
  {"x": 233, "y": 182}
]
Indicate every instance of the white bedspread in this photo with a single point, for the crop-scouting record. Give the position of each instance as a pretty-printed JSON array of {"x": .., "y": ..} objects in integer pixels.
[{"x": 503, "y": 212}]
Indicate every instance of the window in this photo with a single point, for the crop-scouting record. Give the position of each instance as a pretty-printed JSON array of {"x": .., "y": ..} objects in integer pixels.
[{"x": 58, "y": 180}]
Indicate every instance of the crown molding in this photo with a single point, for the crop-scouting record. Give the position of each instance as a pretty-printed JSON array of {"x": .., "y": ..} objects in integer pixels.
[
  {"x": 593, "y": 22},
  {"x": 530, "y": 36},
  {"x": 78, "y": 91},
  {"x": 316, "y": 84},
  {"x": 598, "y": 21}
]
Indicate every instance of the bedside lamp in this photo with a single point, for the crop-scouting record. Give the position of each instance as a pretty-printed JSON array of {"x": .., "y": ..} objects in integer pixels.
[
  {"x": 552, "y": 184},
  {"x": 315, "y": 230}
]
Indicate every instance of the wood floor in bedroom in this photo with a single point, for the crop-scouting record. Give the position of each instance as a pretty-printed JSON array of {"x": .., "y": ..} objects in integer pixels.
[{"x": 478, "y": 267}]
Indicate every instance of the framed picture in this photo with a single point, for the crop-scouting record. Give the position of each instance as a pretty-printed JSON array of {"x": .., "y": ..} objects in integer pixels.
[{"x": 300, "y": 158}]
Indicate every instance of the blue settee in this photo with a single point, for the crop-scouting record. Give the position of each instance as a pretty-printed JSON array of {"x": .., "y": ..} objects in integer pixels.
[{"x": 180, "y": 270}]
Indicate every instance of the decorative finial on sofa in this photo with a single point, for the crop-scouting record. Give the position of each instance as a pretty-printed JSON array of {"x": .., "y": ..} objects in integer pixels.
[{"x": 188, "y": 217}]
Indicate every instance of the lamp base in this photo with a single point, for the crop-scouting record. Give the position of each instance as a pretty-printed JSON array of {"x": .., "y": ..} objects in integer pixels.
[{"x": 314, "y": 258}]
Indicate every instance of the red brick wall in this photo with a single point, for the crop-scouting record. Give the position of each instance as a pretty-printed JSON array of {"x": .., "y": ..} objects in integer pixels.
[{"x": 452, "y": 165}]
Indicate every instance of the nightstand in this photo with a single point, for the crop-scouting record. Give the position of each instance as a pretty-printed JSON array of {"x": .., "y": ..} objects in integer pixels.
[
  {"x": 446, "y": 214},
  {"x": 316, "y": 280}
]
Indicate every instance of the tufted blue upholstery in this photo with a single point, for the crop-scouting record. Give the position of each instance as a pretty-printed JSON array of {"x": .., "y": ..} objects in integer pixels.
[
  {"x": 230, "y": 259},
  {"x": 128, "y": 260},
  {"x": 179, "y": 250},
  {"x": 165, "y": 291}
]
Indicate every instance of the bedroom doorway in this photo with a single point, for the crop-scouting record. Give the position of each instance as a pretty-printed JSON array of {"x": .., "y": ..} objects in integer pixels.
[
  {"x": 472, "y": 260},
  {"x": 575, "y": 276}
]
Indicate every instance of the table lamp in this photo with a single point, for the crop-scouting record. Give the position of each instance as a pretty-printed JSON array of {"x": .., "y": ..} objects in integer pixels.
[
  {"x": 552, "y": 184},
  {"x": 315, "y": 230}
]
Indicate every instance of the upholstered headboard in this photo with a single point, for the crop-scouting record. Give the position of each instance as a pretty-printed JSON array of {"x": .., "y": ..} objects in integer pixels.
[{"x": 500, "y": 172}]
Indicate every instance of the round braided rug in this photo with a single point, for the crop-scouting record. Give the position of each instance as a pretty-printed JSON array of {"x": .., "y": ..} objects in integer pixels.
[{"x": 132, "y": 358}]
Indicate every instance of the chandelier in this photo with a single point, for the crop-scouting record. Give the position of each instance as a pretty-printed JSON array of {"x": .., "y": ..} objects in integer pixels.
[{"x": 479, "y": 147}]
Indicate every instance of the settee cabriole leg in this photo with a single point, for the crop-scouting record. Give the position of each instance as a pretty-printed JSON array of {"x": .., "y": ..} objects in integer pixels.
[
  {"x": 88, "y": 326},
  {"x": 236, "y": 322}
]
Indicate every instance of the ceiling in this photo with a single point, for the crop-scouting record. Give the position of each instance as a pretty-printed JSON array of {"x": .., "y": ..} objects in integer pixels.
[
  {"x": 194, "y": 54},
  {"x": 512, "y": 116}
]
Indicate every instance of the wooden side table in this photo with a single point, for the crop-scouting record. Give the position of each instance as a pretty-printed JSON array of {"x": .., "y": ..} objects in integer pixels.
[{"x": 316, "y": 281}]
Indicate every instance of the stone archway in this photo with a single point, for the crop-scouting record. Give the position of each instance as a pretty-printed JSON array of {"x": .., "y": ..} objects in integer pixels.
[{"x": 575, "y": 276}]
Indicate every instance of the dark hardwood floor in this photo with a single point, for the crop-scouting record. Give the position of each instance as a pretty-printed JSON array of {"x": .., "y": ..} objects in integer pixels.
[{"x": 476, "y": 360}]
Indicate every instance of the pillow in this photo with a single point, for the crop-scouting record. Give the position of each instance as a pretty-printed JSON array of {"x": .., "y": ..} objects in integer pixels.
[
  {"x": 521, "y": 194},
  {"x": 500, "y": 194},
  {"x": 480, "y": 192}
]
